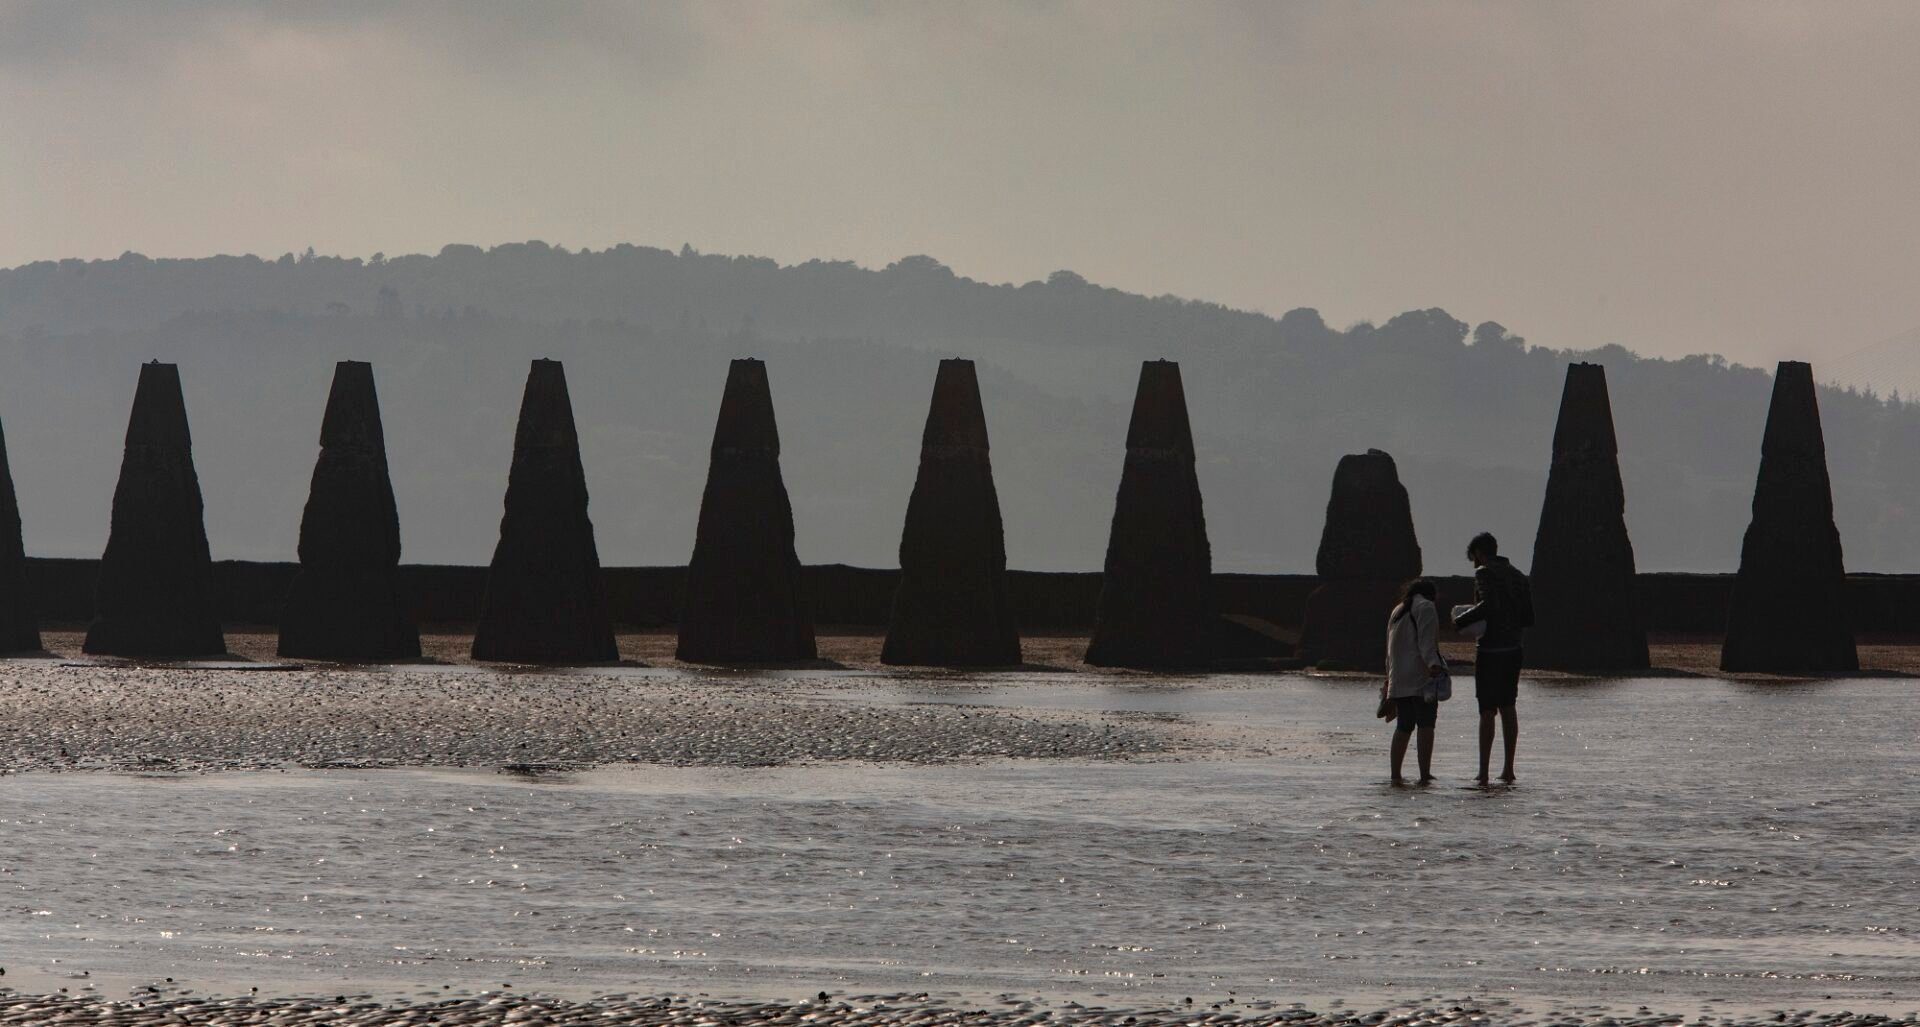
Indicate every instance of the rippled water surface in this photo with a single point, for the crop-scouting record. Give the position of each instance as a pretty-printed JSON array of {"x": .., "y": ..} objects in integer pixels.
[{"x": 1670, "y": 841}]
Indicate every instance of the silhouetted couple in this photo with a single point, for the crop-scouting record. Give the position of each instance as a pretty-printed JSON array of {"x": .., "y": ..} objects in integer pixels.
[{"x": 1502, "y": 609}]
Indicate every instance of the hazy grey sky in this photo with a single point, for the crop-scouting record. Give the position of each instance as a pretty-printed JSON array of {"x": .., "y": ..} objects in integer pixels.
[{"x": 1740, "y": 177}]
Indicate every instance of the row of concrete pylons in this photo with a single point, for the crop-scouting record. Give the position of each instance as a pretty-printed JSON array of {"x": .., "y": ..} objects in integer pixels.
[
  {"x": 1788, "y": 612},
  {"x": 545, "y": 602}
]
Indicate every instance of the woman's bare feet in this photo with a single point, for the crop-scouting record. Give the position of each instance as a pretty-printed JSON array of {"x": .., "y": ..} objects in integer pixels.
[
  {"x": 1481, "y": 777},
  {"x": 1507, "y": 776}
]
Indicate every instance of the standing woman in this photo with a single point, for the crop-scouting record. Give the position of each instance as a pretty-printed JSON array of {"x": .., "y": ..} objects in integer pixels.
[{"x": 1413, "y": 656}]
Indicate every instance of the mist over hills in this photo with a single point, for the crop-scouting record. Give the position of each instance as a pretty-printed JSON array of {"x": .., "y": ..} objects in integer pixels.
[
  {"x": 1890, "y": 367},
  {"x": 646, "y": 333}
]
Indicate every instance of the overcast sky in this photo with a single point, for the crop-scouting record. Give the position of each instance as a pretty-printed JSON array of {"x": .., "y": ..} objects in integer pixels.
[{"x": 1676, "y": 178}]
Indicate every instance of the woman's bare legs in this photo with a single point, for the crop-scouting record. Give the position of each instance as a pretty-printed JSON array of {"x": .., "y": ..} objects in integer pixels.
[{"x": 1426, "y": 753}]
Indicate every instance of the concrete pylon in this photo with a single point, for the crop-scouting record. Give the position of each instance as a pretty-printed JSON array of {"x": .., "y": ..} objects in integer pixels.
[
  {"x": 1790, "y": 613},
  {"x": 156, "y": 597},
  {"x": 545, "y": 600},
  {"x": 19, "y": 628},
  {"x": 1587, "y": 612},
  {"x": 744, "y": 597},
  {"x": 1156, "y": 597},
  {"x": 344, "y": 603},
  {"x": 1368, "y": 552},
  {"x": 951, "y": 608}
]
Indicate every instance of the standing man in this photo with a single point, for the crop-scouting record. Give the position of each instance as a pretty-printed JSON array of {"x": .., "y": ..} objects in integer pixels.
[{"x": 1503, "y": 600}]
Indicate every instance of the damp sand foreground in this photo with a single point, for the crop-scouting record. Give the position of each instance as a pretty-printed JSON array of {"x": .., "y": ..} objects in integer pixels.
[{"x": 461, "y": 845}]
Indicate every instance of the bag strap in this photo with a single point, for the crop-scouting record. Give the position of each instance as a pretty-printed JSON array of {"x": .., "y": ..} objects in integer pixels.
[{"x": 1416, "y": 631}]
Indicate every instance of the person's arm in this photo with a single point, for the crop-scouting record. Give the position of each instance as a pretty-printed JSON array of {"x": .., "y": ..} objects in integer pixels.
[
  {"x": 1479, "y": 611},
  {"x": 1426, "y": 623},
  {"x": 1386, "y": 684}
]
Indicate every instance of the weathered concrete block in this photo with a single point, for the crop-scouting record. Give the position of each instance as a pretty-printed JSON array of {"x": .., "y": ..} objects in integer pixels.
[
  {"x": 744, "y": 600},
  {"x": 545, "y": 600},
  {"x": 1587, "y": 613},
  {"x": 1156, "y": 597},
  {"x": 155, "y": 598},
  {"x": 1789, "y": 611},
  {"x": 1369, "y": 528},
  {"x": 1345, "y": 623},
  {"x": 19, "y": 627},
  {"x": 1368, "y": 551},
  {"x": 951, "y": 608},
  {"x": 344, "y": 603}
]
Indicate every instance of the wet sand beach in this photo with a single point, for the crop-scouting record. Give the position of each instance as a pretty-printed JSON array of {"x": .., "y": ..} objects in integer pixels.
[
  {"x": 1062, "y": 652},
  {"x": 441, "y": 842},
  {"x": 1672, "y": 655}
]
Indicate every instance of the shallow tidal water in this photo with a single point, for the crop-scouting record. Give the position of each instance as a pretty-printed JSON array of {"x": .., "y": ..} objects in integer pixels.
[{"x": 1677, "y": 843}]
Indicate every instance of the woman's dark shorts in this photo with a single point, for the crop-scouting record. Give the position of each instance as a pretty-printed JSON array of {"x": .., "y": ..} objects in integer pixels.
[
  {"x": 1414, "y": 712},
  {"x": 1496, "y": 679}
]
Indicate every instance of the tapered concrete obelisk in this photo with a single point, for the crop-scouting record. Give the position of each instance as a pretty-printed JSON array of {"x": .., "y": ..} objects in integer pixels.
[
  {"x": 1368, "y": 552},
  {"x": 344, "y": 603},
  {"x": 19, "y": 629},
  {"x": 1156, "y": 597},
  {"x": 156, "y": 597},
  {"x": 1789, "y": 613},
  {"x": 1586, "y": 607},
  {"x": 745, "y": 600},
  {"x": 545, "y": 601},
  {"x": 951, "y": 608}
]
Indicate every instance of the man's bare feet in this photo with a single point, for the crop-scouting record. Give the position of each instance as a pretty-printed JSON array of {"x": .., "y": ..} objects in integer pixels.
[
  {"x": 1507, "y": 776},
  {"x": 1426, "y": 779},
  {"x": 1399, "y": 782},
  {"x": 1481, "y": 777}
]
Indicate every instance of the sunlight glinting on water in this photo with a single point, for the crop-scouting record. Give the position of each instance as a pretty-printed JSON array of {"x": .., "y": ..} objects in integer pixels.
[{"x": 1698, "y": 837}]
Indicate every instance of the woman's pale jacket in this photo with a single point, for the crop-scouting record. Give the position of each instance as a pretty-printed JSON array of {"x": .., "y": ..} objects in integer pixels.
[{"x": 1413, "y": 645}]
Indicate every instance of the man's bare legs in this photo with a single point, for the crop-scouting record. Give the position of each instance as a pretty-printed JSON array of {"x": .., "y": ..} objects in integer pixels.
[
  {"x": 1510, "y": 729},
  {"x": 1510, "y": 726},
  {"x": 1486, "y": 743}
]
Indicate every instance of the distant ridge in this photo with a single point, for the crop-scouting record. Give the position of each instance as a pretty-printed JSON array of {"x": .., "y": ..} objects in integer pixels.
[
  {"x": 642, "y": 285},
  {"x": 1885, "y": 369}
]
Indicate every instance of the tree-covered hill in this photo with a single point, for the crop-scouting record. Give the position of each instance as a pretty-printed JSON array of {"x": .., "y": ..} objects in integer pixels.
[{"x": 646, "y": 333}]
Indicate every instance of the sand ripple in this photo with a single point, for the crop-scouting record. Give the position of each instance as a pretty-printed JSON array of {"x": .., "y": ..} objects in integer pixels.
[
  {"x": 171, "y": 719},
  {"x": 859, "y": 1011}
]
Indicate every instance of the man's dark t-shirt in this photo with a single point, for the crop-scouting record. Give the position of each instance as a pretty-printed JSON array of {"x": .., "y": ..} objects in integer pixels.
[{"x": 1502, "y": 598}]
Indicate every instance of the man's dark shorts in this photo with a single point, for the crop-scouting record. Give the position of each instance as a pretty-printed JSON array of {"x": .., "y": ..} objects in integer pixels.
[
  {"x": 1496, "y": 678},
  {"x": 1414, "y": 712}
]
